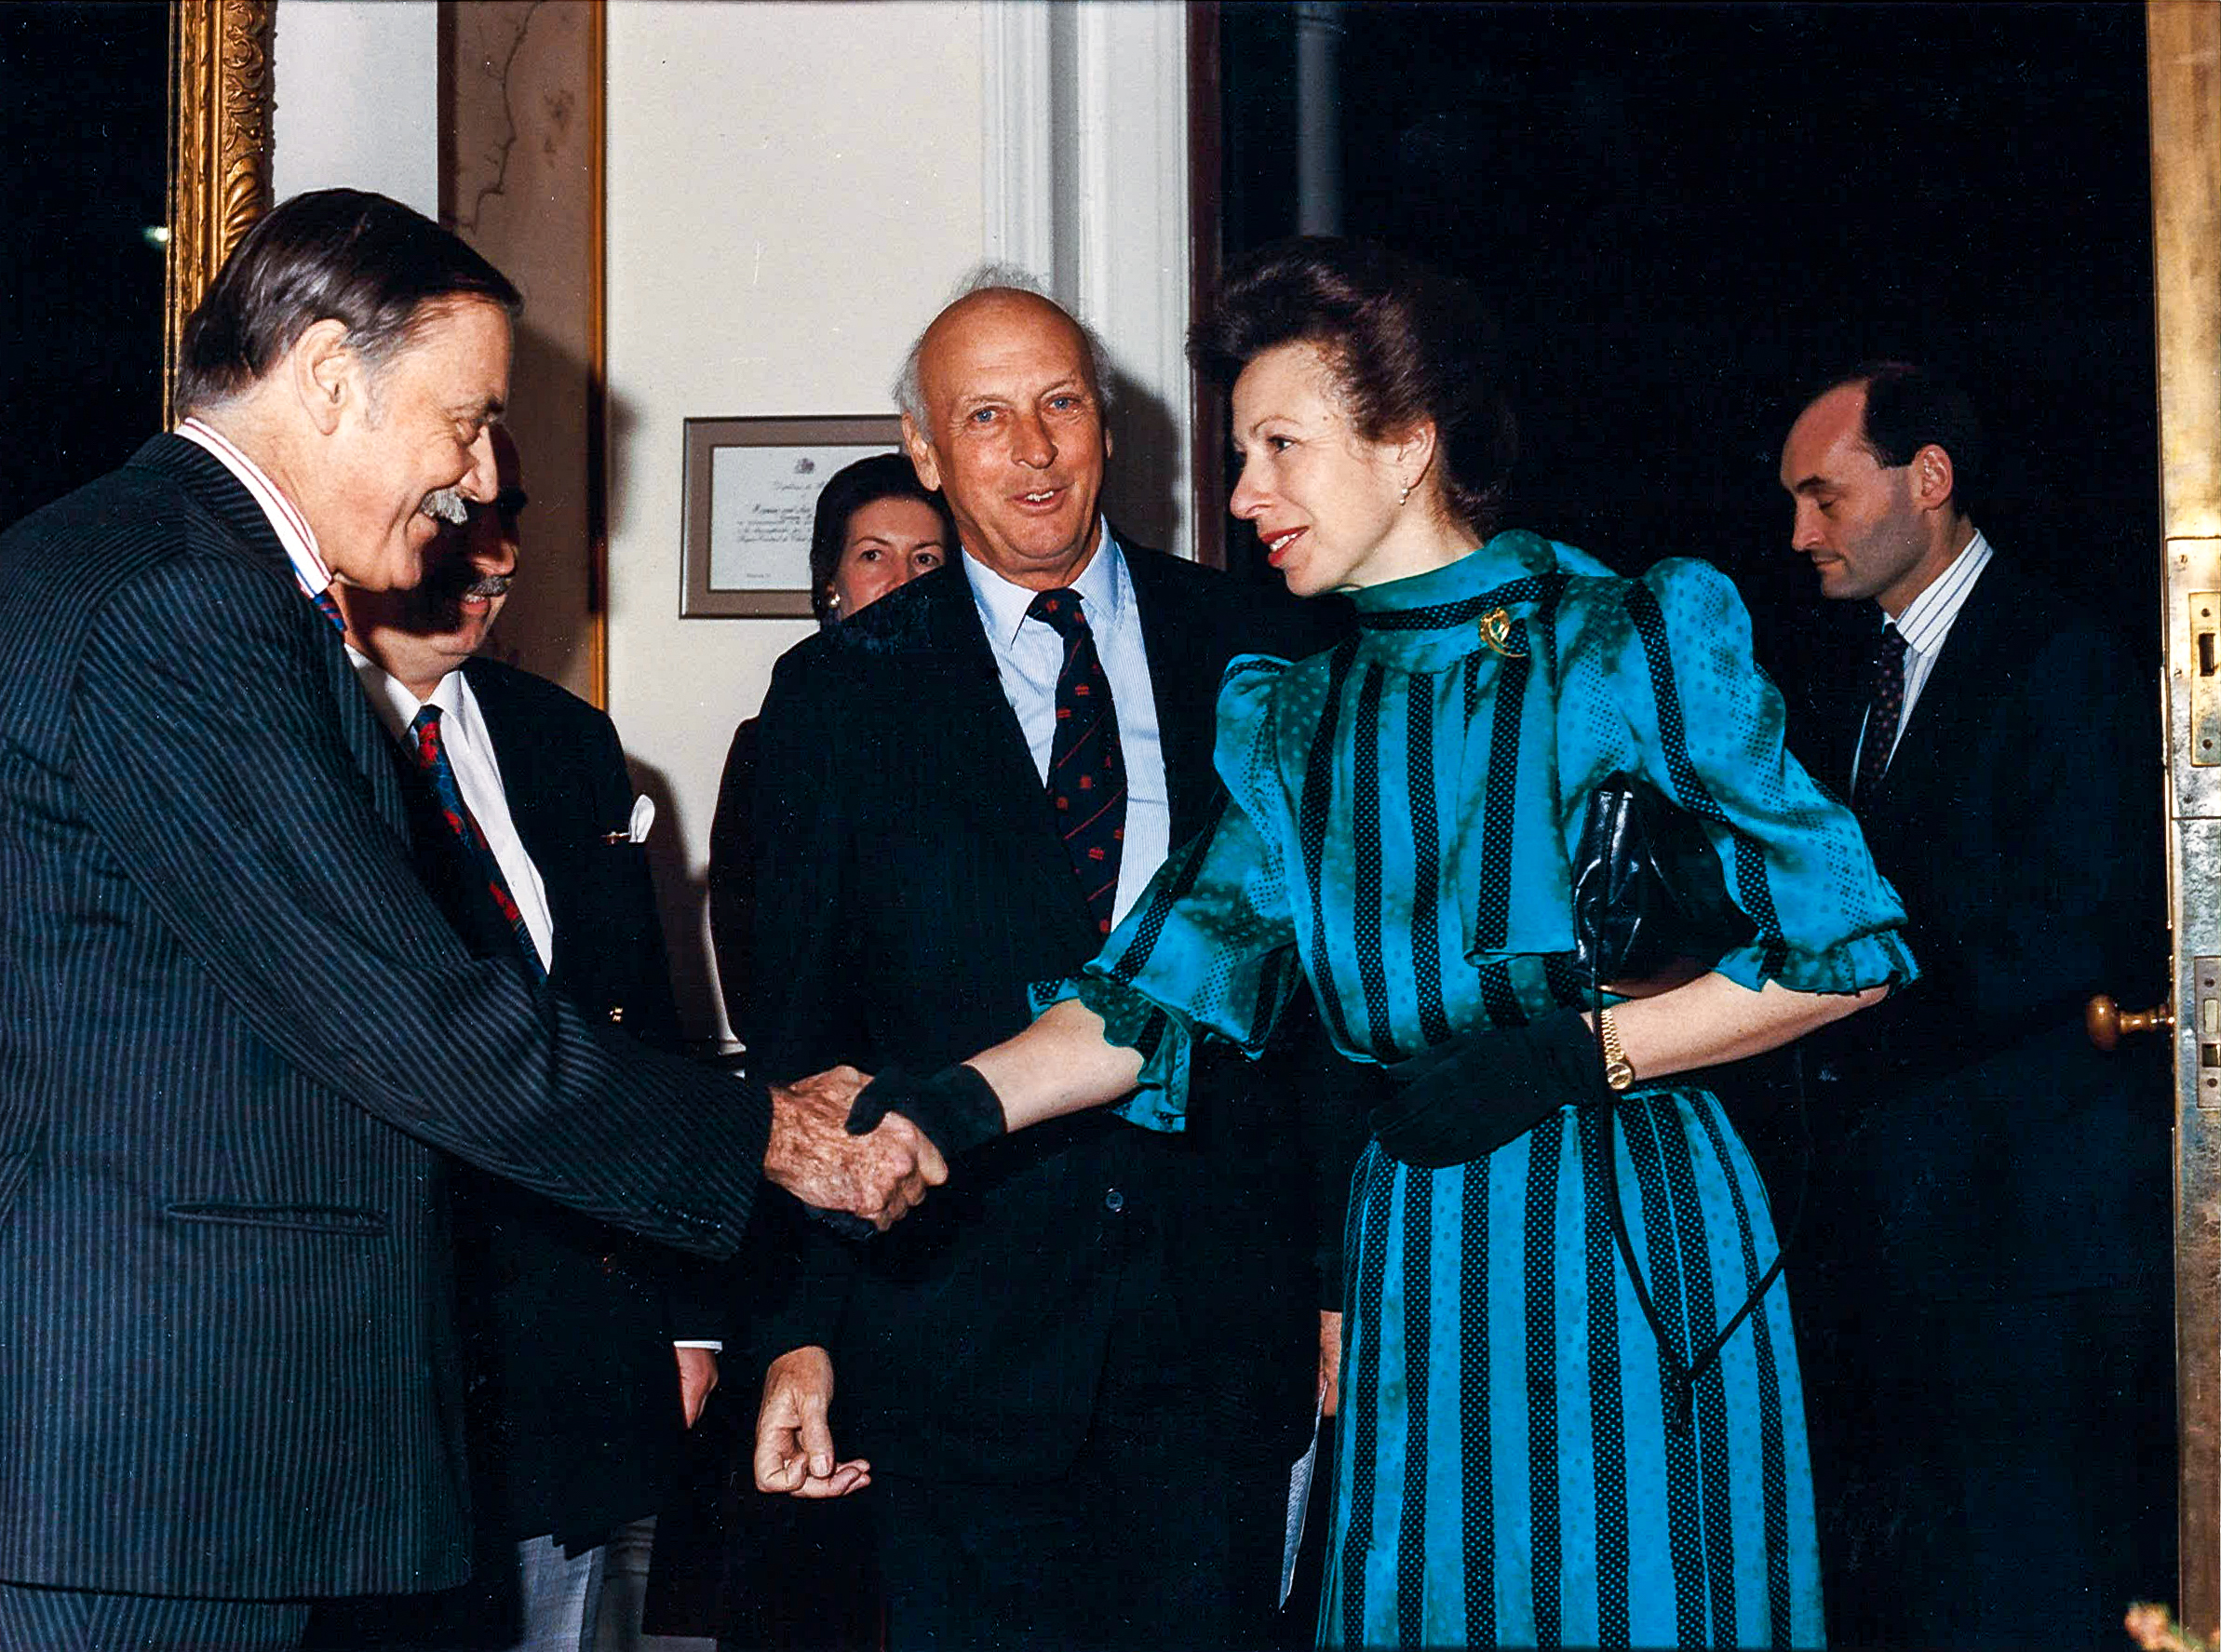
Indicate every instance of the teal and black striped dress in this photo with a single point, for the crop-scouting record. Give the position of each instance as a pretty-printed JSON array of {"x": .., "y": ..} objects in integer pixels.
[{"x": 1518, "y": 1467}]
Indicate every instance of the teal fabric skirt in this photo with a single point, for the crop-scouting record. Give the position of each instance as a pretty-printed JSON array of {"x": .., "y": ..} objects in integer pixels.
[{"x": 1519, "y": 1466}]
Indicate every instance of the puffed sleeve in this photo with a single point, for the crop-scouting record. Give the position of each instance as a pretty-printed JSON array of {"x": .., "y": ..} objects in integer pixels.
[
  {"x": 1209, "y": 948},
  {"x": 1706, "y": 728}
]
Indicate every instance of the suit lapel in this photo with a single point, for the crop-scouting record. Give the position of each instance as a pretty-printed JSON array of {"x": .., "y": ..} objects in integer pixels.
[
  {"x": 372, "y": 748},
  {"x": 1183, "y": 676},
  {"x": 1971, "y": 671},
  {"x": 989, "y": 730},
  {"x": 515, "y": 753},
  {"x": 542, "y": 791},
  {"x": 227, "y": 500}
]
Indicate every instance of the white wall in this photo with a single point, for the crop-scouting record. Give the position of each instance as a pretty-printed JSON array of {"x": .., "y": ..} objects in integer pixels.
[
  {"x": 792, "y": 188},
  {"x": 356, "y": 90}
]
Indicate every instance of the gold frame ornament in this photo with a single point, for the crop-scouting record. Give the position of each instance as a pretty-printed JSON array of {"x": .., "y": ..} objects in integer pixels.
[{"x": 220, "y": 104}]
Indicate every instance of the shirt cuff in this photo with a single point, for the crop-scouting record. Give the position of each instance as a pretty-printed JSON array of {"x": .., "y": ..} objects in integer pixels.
[{"x": 715, "y": 1348}]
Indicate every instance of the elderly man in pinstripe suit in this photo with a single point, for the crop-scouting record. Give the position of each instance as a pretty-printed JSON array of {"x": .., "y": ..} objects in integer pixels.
[{"x": 238, "y": 1040}]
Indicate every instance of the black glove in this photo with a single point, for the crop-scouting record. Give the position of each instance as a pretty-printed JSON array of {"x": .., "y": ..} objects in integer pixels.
[
  {"x": 1463, "y": 1100},
  {"x": 955, "y": 1107}
]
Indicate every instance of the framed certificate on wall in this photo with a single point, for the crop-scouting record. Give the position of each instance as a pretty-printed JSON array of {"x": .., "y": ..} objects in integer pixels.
[{"x": 752, "y": 496}]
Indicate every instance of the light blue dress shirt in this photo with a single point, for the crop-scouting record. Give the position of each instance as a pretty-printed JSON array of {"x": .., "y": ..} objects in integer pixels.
[{"x": 1029, "y": 655}]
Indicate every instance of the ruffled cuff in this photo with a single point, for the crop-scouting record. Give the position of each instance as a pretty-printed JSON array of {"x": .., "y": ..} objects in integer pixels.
[
  {"x": 1133, "y": 1022},
  {"x": 1876, "y": 959}
]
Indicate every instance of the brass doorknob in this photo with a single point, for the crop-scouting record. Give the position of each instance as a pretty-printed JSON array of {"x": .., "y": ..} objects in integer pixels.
[{"x": 2108, "y": 1022}]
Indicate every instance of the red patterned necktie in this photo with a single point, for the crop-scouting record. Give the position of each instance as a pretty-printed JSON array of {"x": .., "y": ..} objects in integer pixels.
[
  {"x": 1885, "y": 709},
  {"x": 431, "y": 753},
  {"x": 1087, "y": 771},
  {"x": 329, "y": 606}
]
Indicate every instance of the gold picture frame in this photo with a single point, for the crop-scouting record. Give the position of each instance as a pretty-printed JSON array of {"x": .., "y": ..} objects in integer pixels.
[{"x": 220, "y": 106}]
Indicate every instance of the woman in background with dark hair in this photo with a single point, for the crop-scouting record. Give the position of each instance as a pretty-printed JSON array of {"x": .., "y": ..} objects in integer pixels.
[
  {"x": 1559, "y": 1426},
  {"x": 877, "y": 527}
]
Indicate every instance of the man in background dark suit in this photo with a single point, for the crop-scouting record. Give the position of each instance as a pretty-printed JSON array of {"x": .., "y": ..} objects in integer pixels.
[
  {"x": 569, "y": 1323},
  {"x": 238, "y": 1040},
  {"x": 1983, "y": 1291},
  {"x": 1076, "y": 1389}
]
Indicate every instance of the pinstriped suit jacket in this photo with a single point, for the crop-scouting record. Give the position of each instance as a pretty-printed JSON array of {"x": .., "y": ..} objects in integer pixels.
[{"x": 238, "y": 1043}]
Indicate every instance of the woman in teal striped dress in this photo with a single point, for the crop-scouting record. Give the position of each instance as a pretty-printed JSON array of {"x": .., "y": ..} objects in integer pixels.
[{"x": 1533, "y": 1454}]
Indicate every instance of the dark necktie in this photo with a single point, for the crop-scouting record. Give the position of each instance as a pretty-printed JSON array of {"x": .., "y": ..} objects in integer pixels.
[
  {"x": 1885, "y": 707},
  {"x": 478, "y": 865},
  {"x": 1087, "y": 771}
]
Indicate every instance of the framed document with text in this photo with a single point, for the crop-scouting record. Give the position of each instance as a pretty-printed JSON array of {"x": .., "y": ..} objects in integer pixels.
[{"x": 751, "y": 494}]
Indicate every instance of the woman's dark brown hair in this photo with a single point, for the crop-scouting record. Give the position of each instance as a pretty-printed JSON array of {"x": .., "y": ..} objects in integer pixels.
[
  {"x": 1406, "y": 344},
  {"x": 883, "y": 475}
]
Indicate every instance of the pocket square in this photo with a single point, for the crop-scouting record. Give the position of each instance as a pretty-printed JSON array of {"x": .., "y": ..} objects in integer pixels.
[{"x": 643, "y": 821}]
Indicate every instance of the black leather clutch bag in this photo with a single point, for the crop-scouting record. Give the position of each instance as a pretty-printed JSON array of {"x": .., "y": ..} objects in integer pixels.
[
  {"x": 1647, "y": 894},
  {"x": 1648, "y": 901}
]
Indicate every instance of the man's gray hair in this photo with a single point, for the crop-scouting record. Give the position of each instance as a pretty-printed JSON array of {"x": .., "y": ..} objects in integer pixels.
[{"x": 909, "y": 396}]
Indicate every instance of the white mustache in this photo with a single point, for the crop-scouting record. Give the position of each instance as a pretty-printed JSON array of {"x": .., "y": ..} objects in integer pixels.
[
  {"x": 488, "y": 587},
  {"x": 447, "y": 505}
]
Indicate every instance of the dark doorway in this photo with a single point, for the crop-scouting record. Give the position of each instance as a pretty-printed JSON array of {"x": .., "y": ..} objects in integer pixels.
[
  {"x": 84, "y": 129},
  {"x": 1682, "y": 213}
]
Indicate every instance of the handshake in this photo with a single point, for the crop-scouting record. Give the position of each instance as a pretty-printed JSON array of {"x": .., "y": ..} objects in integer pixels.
[{"x": 874, "y": 1158}]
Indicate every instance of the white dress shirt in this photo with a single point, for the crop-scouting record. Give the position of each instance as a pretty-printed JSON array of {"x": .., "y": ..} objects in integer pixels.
[
  {"x": 1925, "y": 623},
  {"x": 477, "y": 775},
  {"x": 1030, "y": 654}
]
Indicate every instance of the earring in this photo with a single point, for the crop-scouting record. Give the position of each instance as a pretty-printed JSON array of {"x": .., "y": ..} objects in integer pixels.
[{"x": 1405, "y": 497}]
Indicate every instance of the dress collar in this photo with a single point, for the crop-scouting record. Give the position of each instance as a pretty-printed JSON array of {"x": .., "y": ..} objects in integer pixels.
[{"x": 1433, "y": 619}]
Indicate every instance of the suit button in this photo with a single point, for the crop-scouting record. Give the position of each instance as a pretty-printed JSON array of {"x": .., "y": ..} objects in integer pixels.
[
  {"x": 1114, "y": 1202},
  {"x": 616, "y": 1012}
]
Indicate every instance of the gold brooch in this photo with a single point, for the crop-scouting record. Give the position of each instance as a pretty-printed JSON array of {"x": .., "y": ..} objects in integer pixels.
[{"x": 1496, "y": 631}]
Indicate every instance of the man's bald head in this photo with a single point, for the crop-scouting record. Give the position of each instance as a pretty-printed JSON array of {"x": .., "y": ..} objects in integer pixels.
[
  {"x": 983, "y": 281},
  {"x": 1002, "y": 411}
]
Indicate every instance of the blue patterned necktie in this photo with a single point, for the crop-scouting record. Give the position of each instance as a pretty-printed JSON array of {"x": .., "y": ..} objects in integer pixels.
[
  {"x": 1087, "y": 770},
  {"x": 430, "y": 751},
  {"x": 1885, "y": 709},
  {"x": 329, "y": 606}
]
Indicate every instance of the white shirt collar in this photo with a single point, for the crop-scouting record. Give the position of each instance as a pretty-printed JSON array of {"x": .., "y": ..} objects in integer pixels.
[
  {"x": 291, "y": 528},
  {"x": 1927, "y": 618},
  {"x": 1105, "y": 591},
  {"x": 397, "y": 708}
]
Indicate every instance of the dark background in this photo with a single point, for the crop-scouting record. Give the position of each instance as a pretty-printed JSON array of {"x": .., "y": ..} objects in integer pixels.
[
  {"x": 1684, "y": 214},
  {"x": 84, "y": 140},
  {"x": 1681, "y": 213}
]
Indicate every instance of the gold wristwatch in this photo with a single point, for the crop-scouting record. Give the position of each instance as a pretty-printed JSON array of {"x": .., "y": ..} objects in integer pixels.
[{"x": 1618, "y": 1075}]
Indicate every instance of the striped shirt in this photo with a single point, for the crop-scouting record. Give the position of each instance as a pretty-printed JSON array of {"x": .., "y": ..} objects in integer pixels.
[
  {"x": 293, "y": 531},
  {"x": 1926, "y": 621}
]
